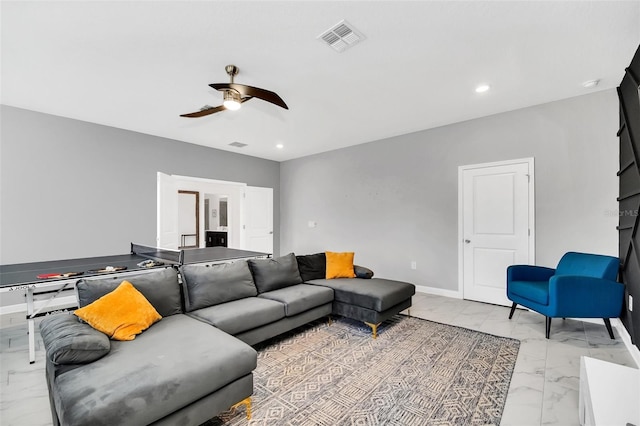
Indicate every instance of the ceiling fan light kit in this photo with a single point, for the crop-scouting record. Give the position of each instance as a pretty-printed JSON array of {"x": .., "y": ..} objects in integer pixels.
[
  {"x": 231, "y": 100},
  {"x": 234, "y": 94}
]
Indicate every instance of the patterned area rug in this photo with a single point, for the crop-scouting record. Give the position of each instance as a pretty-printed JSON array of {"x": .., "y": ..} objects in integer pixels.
[{"x": 416, "y": 372}]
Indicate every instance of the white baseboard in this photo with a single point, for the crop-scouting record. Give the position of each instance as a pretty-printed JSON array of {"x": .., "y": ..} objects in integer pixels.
[
  {"x": 455, "y": 294},
  {"x": 626, "y": 338},
  {"x": 58, "y": 302}
]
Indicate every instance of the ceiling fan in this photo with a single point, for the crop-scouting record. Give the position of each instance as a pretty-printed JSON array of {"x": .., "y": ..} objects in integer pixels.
[{"x": 234, "y": 95}]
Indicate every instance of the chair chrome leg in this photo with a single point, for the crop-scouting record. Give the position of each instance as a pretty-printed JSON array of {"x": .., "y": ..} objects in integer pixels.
[
  {"x": 513, "y": 309},
  {"x": 607, "y": 323},
  {"x": 548, "y": 325}
]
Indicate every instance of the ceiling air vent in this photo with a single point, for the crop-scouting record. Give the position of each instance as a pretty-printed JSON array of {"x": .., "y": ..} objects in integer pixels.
[
  {"x": 238, "y": 144},
  {"x": 341, "y": 36}
]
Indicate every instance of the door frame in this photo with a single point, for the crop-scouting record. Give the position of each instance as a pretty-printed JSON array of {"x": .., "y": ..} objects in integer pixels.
[
  {"x": 532, "y": 211},
  {"x": 197, "y": 216}
]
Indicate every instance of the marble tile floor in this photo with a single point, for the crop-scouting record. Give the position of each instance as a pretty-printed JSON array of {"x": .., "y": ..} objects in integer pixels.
[{"x": 543, "y": 391}]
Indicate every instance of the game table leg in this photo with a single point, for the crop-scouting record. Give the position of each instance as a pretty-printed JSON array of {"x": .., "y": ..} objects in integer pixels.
[{"x": 31, "y": 324}]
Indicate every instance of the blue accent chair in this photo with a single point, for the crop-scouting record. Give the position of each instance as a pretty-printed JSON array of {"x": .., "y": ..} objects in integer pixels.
[{"x": 582, "y": 286}]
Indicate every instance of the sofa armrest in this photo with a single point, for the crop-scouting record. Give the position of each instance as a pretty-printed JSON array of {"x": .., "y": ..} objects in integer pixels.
[
  {"x": 67, "y": 340},
  {"x": 362, "y": 272},
  {"x": 584, "y": 297},
  {"x": 529, "y": 273}
]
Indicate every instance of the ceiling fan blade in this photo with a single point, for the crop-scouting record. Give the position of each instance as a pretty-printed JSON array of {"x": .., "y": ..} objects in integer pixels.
[
  {"x": 204, "y": 112},
  {"x": 256, "y": 92},
  {"x": 207, "y": 111}
]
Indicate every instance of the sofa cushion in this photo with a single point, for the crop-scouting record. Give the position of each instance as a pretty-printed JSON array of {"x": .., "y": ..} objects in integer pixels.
[
  {"x": 340, "y": 265},
  {"x": 208, "y": 285},
  {"x": 176, "y": 362},
  {"x": 536, "y": 291},
  {"x": 300, "y": 298},
  {"x": 121, "y": 314},
  {"x": 377, "y": 293},
  {"x": 312, "y": 266},
  {"x": 272, "y": 274},
  {"x": 160, "y": 288},
  {"x": 69, "y": 341},
  {"x": 241, "y": 315}
]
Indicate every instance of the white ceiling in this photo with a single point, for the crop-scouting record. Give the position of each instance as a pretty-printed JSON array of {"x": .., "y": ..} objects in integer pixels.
[{"x": 139, "y": 65}]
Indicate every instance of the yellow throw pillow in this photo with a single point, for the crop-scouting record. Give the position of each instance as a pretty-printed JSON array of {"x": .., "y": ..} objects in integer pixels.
[
  {"x": 339, "y": 265},
  {"x": 121, "y": 314}
]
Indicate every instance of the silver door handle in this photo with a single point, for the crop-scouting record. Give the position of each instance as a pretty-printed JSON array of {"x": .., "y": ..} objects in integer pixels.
[{"x": 467, "y": 241}]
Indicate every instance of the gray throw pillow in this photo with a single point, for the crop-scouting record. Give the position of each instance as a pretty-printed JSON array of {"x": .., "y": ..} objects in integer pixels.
[
  {"x": 208, "y": 285},
  {"x": 276, "y": 273},
  {"x": 160, "y": 288},
  {"x": 69, "y": 341},
  {"x": 312, "y": 266},
  {"x": 362, "y": 272}
]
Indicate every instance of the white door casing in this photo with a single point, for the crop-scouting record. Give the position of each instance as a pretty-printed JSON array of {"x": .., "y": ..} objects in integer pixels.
[
  {"x": 258, "y": 219},
  {"x": 496, "y": 226}
]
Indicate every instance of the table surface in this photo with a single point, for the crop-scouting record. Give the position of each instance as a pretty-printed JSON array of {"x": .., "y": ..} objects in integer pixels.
[{"x": 27, "y": 273}]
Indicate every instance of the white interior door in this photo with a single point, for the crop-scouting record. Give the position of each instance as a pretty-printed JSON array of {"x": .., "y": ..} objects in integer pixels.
[
  {"x": 258, "y": 219},
  {"x": 497, "y": 226},
  {"x": 167, "y": 221}
]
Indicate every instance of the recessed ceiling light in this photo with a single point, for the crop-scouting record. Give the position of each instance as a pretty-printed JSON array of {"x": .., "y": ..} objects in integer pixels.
[
  {"x": 482, "y": 88},
  {"x": 279, "y": 146},
  {"x": 590, "y": 84}
]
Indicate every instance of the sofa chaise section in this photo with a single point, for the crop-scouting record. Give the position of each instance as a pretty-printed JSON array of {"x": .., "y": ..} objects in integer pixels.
[
  {"x": 363, "y": 298},
  {"x": 173, "y": 364},
  {"x": 371, "y": 301},
  {"x": 179, "y": 371}
]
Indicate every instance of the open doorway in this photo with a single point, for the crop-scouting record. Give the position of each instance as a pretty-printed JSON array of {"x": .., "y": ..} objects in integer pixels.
[
  {"x": 188, "y": 218},
  {"x": 216, "y": 222},
  {"x": 243, "y": 213}
]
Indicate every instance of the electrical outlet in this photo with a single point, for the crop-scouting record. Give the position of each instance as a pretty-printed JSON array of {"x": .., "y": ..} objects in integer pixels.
[
  {"x": 630, "y": 304},
  {"x": 414, "y": 264}
]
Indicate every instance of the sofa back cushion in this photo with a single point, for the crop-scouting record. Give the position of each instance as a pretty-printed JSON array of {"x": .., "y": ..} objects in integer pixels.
[
  {"x": 312, "y": 266},
  {"x": 209, "y": 285},
  {"x": 161, "y": 288},
  {"x": 589, "y": 265},
  {"x": 275, "y": 273}
]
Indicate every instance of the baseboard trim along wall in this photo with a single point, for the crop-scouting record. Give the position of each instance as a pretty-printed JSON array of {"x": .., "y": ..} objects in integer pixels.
[
  {"x": 439, "y": 291},
  {"x": 626, "y": 338}
]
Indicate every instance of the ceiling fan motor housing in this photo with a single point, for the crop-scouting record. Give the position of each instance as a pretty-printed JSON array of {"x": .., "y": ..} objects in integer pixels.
[{"x": 232, "y": 71}]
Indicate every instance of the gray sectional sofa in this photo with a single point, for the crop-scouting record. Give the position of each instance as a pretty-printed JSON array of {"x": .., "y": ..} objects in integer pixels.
[{"x": 197, "y": 361}]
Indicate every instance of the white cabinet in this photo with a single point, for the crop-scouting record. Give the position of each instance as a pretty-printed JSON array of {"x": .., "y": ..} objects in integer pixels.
[{"x": 609, "y": 394}]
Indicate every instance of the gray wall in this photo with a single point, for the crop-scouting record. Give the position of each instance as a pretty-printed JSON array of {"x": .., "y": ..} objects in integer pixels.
[
  {"x": 75, "y": 189},
  {"x": 396, "y": 200}
]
